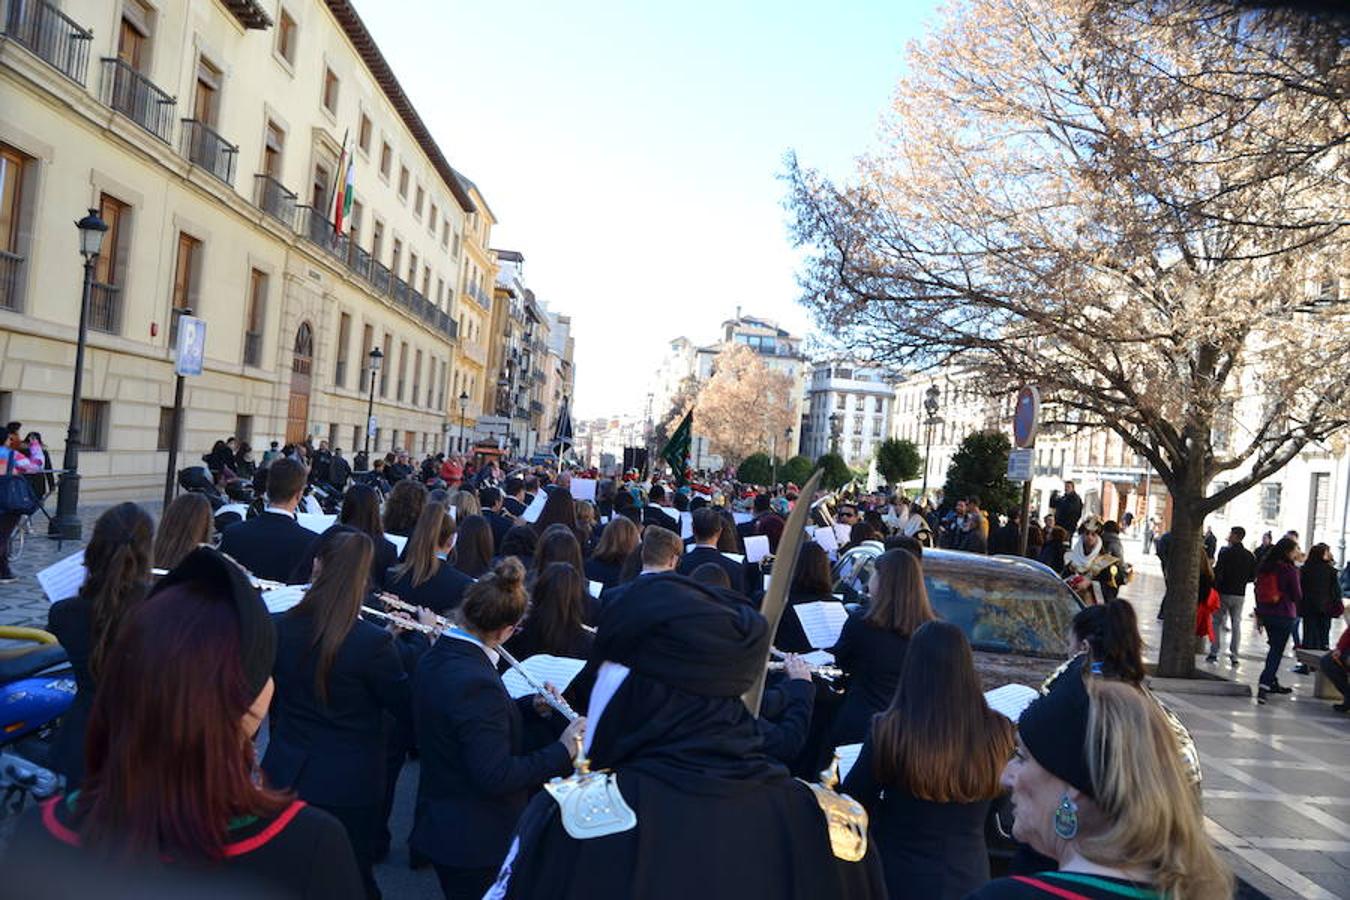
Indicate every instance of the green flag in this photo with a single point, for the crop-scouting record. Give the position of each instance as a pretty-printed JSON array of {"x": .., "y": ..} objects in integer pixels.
[{"x": 676, "y": 450}]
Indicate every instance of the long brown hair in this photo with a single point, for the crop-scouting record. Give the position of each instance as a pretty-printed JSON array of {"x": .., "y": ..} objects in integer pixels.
[
  {"x": 558, "y": 510},
  {"x": 404, "y": 506},
  {"x": 617, "y": 541},
  {"x": 558, "y": 543},
  {"x": 433, "y": 532},
  {"x": 939, "y": 740},
  {"x": 812, "y": 575},
  {"x": 118, "y": 561},
  {"x": 900, "y": 603},
  {"x": 474, "y": 546},
  {"x": 186, "y": 523},
  {"x": 361, "y": 510},
  {"x": 168, "y": 762},
  {"x": 334, "y": 599},
  {"x": 557, "y": 607}
]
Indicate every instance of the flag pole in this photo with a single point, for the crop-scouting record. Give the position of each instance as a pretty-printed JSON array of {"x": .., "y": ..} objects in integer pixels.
[{"x": 338, "y": 178}]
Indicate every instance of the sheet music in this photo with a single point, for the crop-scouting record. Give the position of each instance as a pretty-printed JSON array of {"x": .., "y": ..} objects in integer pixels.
[
  {"x": 315, "y": 523},
  {"x": 848, "y": 755},
  {"x": 536, "y": 507},
  {"x": 756, "y": 547},
  {"x": 742, "y": 517},
  {"x": 686, "y": 525},
  {"x": 818, "y": 658},
  {"x": 583, "y": 489},
  {"x": 544, "y": 669},
  {"x": 596, "y": 587},
  {"x": 1011, "y": 700},
  {"x": 63, "y": 579},
  {"x": 822, "y": 622},
  {"x": 398, "y": 540},
  {"x": 734, "y": 557},
  {"x": 826, "y": 539},
  {"x": 841, "y": 533},
  {"x": 280, "y": 599}
]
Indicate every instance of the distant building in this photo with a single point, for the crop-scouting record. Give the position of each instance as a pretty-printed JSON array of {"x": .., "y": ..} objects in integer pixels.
[{"x": 854, "y": 399}]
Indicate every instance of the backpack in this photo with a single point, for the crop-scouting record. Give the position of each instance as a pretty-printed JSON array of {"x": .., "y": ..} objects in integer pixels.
[
  {"x": 1268, "y": 588},
  {"x": 16, "y": 495}
]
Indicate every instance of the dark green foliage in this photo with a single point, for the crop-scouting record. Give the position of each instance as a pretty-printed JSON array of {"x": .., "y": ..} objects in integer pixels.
[
  {"x": 979, "y": 469},
  {"x": 898, "y": 460}
]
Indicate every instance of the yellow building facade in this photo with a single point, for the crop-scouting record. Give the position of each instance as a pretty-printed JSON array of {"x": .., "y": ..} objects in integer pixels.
[
  {"x": 212, "y": 138},
  {"x": 474, "y": 385}
]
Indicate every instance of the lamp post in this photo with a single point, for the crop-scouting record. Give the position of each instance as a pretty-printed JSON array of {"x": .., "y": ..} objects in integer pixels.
[
  {"x": 66, "y": 525},
  {"x": 376, "y": 357},
  {"x": 463, "y": 412},
  {"x": 930, "y": 406}
]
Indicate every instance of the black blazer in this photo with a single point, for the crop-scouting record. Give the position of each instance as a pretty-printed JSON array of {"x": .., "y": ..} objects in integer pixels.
[
  {"x": 440, "y": 593},
  {"x": 72, "y": 622},
  {"x": 513, "y": 506},
  {"x": 333, "y": 754},
  {"x": 873, "y": 659},
  {"x": 652, "y": 516},
  {"x": 607, "y": 573},
  {"x": 697, "y": 556},
  {"x": 268, "y": 545},
  {"x": 500, "y": 525},
  {"x": 476, "y": 776},
  {"x": 385, "y": 555}
]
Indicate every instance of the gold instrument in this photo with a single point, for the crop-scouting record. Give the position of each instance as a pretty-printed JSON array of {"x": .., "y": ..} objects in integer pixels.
[
  {"x": 845, "y": 817},
  {"x": 589, "y": 803}
]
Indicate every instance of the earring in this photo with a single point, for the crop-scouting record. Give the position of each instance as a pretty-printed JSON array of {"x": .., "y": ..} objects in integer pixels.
[{"x": 1066, "y": 818}]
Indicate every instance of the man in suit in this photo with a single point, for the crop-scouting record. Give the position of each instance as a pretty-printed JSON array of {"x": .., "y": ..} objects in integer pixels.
[
  {"x": 653, "y": 515},
  {"x": 514, "y": 501},
  {"x": 1068, "y": 508},
  {"x": 661, "y": 550},
  {"x": 490, "y": 498},
  {"x": 707, "y": 529},
  {"x": 269, "y": 544}
]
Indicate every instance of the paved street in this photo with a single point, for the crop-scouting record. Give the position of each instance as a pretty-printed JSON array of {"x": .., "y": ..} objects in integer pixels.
[{"x": 1277, "y": 783}]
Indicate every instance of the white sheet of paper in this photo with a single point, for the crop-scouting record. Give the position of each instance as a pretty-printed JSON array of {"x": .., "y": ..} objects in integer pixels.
[
  {"x": 825, "y": 538},
  {"x": 841, "y": 533},
  {"x": 604, "y": 520},
  {"x": 822, "y": 622},
  {"x": 670, "y": 513},
  {"x": 583, "y": 489},
  {"x": 536, "y": 508},
  {"x": 818, "y": 658},
  {"x": 317, "y": 524},
  {"x": 398, "y": 540},
  {"x": 686, "y": 525},
  {"x": 848, "y": 755},
  {"x": 810, "y": 530},
  {"x": 742, "y": 517},
  {"x": 1011, "y": 700},
  {"x": 63, "y": 579},
  {"x": 756, "y": 547},
  {"x": 596, "y": 587},
  {"x": 240, "y": 508},
  {"x": 734, "y": 557},
  {"x": 281, "y": 599},
  {"x": 312, "y": 506},
  {"x": 543, "y": 668}
]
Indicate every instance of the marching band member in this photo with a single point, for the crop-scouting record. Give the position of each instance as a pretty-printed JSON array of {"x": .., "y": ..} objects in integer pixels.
[
  {"x": 425, "y": 578},
  {"x": 336, "y": 676},
  {"x": 269, "y": 544},
  {"x": 687, "y": 761},
  {"x": 476, "y": 773},
  {"x": 186, "y": 525}
]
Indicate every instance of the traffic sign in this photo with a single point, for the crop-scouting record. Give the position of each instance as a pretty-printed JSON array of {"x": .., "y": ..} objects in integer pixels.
[
  {"x": 1026, "y": 417},
  {"x": 1020, "y": 464},
  {"x": 371, "y": 426},
  {"x": 191, "y": 345}
]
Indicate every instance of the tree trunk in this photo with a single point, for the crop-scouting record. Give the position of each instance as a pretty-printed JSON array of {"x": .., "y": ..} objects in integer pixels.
[{"x": 1176, "y": 655}]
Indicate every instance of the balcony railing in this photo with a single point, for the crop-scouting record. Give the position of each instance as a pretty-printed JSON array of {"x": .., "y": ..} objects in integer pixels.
[
  {"x": 358, "y": 260},
  {"x": 138, "y": 98},
  {"x": 400, "y": 292},
  {"x": 51, "y": 35},
  {"x": 452, "y": 327},
  {"x": 202, "y": 145},
  {"x": 272, "y": 198},
  {"x": 380, "y": 277},
  {"x": 105, "y": 308},
  {"x": 314, "y": 225},
  {"x": 252, "y": 348},
  {"x": 11, "y": 270}
]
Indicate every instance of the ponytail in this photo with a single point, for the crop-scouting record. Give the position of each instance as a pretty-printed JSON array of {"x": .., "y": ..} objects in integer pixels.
[
  {"x": 118, "y": 563},
  {"x": 433, "y": 531},
  {"x": 1111, "y": 631}
]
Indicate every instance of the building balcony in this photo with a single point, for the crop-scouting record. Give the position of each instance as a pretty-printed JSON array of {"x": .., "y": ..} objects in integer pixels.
[
  {"x": 271, "y": 197},
  {"x": 138, "y": 98},
  {"x": 313, "y": 224},
  {"x": 11, "y": 273},
  {"x": 203, "y": 146},
  {"x": 359, "y": 261},
  {"x": 105, "y": 308},
  {"x": 380, "y": 277},
  {"x": 399, "y": 292},
  {"x": 50, "y": 35}
]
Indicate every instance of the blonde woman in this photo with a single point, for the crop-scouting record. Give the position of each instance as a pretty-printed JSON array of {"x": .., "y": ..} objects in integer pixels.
[{"x": 1098, "y": 785}]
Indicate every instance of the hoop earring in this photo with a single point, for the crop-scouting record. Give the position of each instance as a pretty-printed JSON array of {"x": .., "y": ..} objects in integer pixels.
[{"x": 1066, "y": 818}]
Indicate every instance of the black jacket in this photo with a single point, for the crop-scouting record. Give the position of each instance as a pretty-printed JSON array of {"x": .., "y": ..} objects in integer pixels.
[
  {"x": 71, "y": 620},
  {"x": 1068, "y": 510},
  {"x": 333, "y": 754},
  {"x": 873, "y": 658},
  {"x": 500, "y": 525},
  {"x": 476, "y": 776},
  {"x": 1321, "y": 589},
  {"x": 440, "y": 593},
  {"x": 607, "y": 573},
  {"x": 385, "y": 555},
  {"x": 268, "y": 545},
  {"x": 651, "y": 515},
  {"x": 1234, "y": 570},
  {"x": 697, "y": 556}
]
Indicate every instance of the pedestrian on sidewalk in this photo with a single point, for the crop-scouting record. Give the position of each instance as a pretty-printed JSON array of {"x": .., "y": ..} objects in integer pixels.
[
  {"x": 12, "y": 462},
  {"x": 1336, "y": 666},
  {"x": 1321, "y": 601},
  {"x": 1234, "y": 570},
  {"x": 1278, "y": 593}
]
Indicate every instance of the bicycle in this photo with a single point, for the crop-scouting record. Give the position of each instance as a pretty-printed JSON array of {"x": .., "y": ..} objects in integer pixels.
[{"x": 17, "y": 539}]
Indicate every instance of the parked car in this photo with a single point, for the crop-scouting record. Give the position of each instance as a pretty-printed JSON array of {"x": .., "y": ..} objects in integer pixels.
[{"x": 1016, "y": 612}]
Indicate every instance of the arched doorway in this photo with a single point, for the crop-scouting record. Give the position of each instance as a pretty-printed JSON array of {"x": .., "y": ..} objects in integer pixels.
[{"x": 297, "y": 410}]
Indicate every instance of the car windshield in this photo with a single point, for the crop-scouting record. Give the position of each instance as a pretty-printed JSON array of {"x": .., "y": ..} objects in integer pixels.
[{"x": 1002, "y": 606}]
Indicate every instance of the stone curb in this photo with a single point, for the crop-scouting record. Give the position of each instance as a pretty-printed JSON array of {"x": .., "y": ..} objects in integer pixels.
[{"x": 1218, "y": 687}]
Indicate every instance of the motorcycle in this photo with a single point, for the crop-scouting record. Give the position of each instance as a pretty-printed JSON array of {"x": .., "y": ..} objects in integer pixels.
[{"x": 37, "y": 687}]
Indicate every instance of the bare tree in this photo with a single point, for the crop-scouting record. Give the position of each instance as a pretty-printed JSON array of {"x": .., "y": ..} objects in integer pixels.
[
  {"x": 743, "y": 405},
  {"x": 1141, "y": 208}
]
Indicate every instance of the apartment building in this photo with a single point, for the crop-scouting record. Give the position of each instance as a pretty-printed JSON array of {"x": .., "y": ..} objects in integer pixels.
[
  {"x": 474, "y": 384},
  {"x": 211, "y": 138},
  {"x": 848, "y": 410}
]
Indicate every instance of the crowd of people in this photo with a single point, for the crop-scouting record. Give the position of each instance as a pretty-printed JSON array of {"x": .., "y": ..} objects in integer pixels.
[{"x": 214, "y": 748}]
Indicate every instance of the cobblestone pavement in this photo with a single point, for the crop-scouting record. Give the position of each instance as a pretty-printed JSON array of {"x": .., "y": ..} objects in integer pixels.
[{"x": 1277, "y": 777}]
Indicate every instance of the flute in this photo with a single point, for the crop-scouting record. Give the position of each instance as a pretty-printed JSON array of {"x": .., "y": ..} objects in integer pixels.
[
  {"x": 402, "y": 621},
  {"x": 830, "y": 672},
  {"x": 557, "y": 702}
]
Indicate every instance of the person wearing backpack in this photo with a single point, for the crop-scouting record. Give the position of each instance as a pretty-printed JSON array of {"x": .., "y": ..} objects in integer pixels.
[
  {"x": 1278, "y": 592},
  {"x": 13, "y": 505}
]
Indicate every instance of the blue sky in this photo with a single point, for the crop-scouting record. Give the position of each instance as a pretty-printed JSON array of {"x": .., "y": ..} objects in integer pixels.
[{"x": 633, "y": 152}]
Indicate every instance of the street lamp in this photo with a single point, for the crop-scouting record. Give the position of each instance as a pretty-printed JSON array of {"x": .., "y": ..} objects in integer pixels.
[
  {"x": 66, "y": 525},
  {"x": 463, "y": 412},
  {"x": 930, "y": 406},
  {"x": 376, "y": 357}
]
